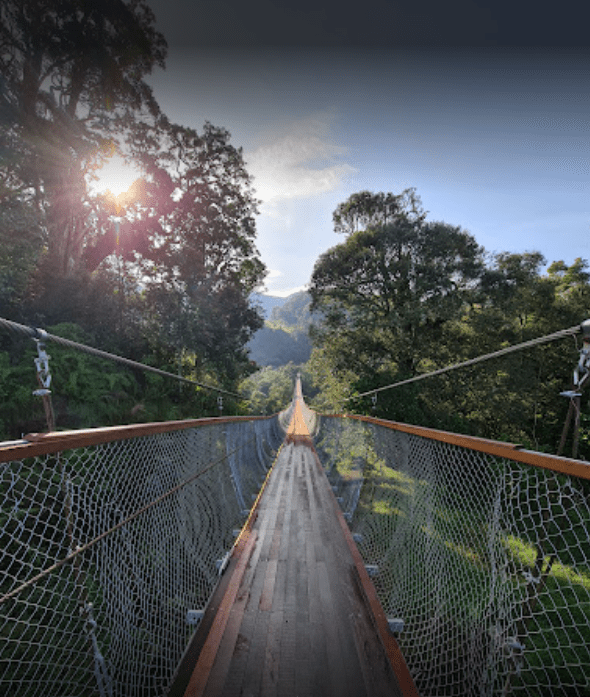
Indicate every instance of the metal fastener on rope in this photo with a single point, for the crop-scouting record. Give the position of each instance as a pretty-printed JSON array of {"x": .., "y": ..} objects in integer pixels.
[{"x": 42, "y": 364}]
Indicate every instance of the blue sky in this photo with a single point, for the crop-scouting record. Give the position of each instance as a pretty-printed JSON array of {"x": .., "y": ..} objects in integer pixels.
[{"x": 495, "y": 136}]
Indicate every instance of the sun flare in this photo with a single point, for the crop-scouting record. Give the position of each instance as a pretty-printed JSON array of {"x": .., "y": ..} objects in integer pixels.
[{"x": 115, "y": 176}]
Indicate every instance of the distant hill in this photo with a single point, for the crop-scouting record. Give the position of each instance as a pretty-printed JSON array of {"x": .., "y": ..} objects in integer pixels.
[
  {"x": 268, "y": 302},
  {"x": 284, "y": 338},
  {"x": 294, "y": 312}
]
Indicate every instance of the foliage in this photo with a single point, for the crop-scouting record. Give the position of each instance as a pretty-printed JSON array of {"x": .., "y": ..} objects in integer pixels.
[
  {"x": 72, "y": 79},
  {"x": 385, "y": 293},
  {"x": 402, "y": 298},
  {"x": 366, "y": 210},
  {"x": 284, "y": 337},
  {"x": 294, "y": 313},
  {"x": 88, "y": 391},
  {"x": 276, "y": 346},
  {"x": 163, "y": 273},
  {"x": 270, "y": 390},
  {"x": 21, "y": 243}
]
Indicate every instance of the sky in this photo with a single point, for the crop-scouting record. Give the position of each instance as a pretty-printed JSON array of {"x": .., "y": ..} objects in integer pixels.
[{"x": 482, "y": 107}]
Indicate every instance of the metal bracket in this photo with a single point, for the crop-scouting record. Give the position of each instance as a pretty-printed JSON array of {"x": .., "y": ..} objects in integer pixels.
[
  {"x": 582, "y": 370},
  {"x": 372, "y": 570},
  {"x": 396, "y": 625},
  {"x": 221, "y": 564},
  {"x": 44, "y": 378},
  {"x": 42, "y": 365},
  {"x": 194, "y": 616}
]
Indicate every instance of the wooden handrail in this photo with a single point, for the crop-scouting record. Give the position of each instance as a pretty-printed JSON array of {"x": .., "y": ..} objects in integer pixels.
[
  {"x": 509, "y": 451},
  {"x": 57, "y": 441}
]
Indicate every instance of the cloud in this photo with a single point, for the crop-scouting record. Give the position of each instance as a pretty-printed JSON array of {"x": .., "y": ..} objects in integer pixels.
[
  {"x": 281, "y": 285},
  {"x": 285, "y": 292},
  {"x": 298, "y": 161}
]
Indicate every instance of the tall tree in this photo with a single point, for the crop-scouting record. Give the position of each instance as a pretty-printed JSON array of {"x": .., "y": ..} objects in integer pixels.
[
  {"x": 387, "y": 290},
  {"x": 178, "y": 262},
  {"x": 192, "y": 234},
  {"x": 72, "y": 84}
]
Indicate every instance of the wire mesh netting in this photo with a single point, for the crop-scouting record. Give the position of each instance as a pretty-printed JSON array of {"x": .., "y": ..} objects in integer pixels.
[
  {"x": 142, "y": 525},
  {"x": 485, "y": 560}
]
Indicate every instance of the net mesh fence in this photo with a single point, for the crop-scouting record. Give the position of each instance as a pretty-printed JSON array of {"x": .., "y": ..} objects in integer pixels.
[
  {"x": 486, "y": 561},
  {"x": 143, "y": 525}
]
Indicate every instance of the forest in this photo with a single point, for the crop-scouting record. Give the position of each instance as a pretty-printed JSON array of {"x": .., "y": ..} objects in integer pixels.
[
  {"x": 162, "y": 274},
  {"x": 166, "y": 274},
  {"x": 402, "y": 296}
]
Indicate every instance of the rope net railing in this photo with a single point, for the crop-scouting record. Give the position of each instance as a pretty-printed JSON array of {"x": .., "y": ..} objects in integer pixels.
[
  {"x": 107, "y": 550},
  {"x": 483, "y": 560}
]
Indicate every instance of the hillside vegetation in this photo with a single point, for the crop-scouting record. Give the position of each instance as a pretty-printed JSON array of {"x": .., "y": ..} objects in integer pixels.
[
  {"x": 402, "y": 296},
  {"x": 285, "y": 336},
  {"x": 162, "y": 274}
]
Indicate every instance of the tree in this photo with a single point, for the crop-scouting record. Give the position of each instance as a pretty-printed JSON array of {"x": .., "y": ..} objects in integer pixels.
[
  {"x": 515, "y": 397},
  {"x": 277, "y": 346},
  {"x": 170, "y": 278},
  {"x": 365, "y": 210},
  {"x": 72, "y": 79},
  {"x": 21, "y": 239},
  {"x": 193, "y": 237},
  {"x": 385, "y": 293}
]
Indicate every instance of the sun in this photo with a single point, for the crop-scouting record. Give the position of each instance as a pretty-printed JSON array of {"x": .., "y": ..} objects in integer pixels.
[{"x": 115, "y": 176}]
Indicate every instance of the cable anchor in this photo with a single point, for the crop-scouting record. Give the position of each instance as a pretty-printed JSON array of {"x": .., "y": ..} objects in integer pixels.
[
  {"x": 42, "y": 365},
  {"x": 44, "y": 378},
  {"x": 581, "y": 373}
]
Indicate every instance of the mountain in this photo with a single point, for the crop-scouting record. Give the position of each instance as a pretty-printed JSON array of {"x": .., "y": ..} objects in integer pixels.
[
  {"x": 268, "y": 302},
  {"x": 283, "y": 339},
  {"x": 294, "y": 312}
]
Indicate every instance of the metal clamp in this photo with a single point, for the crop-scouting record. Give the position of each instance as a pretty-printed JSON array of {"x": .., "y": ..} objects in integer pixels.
[
  {"x": 44, "y": 378},
  {"x": 582, "y": 370},
  {"x": 42, "y": 365}
]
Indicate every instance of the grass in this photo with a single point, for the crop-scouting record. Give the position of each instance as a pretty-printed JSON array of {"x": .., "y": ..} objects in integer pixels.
[{"x": 456, "y": 549}]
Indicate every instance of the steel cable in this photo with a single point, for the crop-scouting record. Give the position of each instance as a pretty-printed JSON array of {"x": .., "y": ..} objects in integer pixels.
[
  {"x": 472, "y": 361},
  {"x": 42, "y": 335}
]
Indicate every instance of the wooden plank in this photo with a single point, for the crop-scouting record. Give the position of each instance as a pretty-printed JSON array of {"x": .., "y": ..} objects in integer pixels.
[
  {"x": 288, "y": 653},
  {"x": 293, "y": 628},
  {"x": 377, "y": 614},
  {"x": 261, "y": 602},
  {"x": 201, "y": 673}
]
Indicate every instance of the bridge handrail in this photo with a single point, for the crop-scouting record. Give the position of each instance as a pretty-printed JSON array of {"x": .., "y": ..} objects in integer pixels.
[
  {"x": 34, "y": 444},
  {"x": 510, "y": 451},
  {"x": 111, "y": 542},
  {"x": 479, "y": 552}
]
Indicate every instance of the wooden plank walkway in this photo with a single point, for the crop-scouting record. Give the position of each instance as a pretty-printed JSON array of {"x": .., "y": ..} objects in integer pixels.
[{"x": 292, "y": 615}]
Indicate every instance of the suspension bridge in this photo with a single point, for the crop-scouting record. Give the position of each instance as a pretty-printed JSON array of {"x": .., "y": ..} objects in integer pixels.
[{"x": 298, "y": 554}]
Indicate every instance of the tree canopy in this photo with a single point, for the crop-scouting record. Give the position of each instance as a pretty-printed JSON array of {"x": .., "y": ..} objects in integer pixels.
[
  {"x": 389, "y": 288},
  {"x": 163, "y": 274},
  {"x": 403, "y": 296},
  {"x": 73, "y": 89}
]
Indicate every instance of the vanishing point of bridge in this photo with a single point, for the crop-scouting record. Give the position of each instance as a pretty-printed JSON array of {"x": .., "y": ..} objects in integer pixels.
[{"x": 296, "y": 613}]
